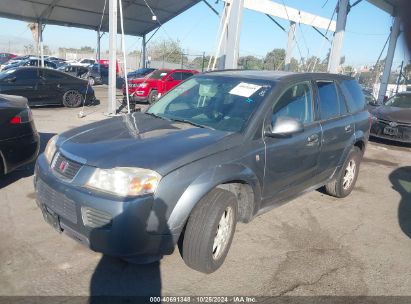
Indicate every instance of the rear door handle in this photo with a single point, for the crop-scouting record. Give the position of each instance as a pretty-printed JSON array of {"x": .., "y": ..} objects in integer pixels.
[
  {"x": 348, "y": 128},
  {"x": 312, "y": 138}
]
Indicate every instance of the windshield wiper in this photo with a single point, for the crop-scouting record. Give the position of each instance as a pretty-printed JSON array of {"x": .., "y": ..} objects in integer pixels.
[{"x": 191, "y": 123}]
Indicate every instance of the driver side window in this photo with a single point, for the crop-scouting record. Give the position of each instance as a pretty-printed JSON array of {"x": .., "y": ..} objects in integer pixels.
[{"x": 296, "y": 102}]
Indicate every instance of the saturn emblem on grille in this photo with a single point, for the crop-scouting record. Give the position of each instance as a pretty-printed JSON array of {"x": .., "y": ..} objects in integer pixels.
[{"x": 63, "y": 166}]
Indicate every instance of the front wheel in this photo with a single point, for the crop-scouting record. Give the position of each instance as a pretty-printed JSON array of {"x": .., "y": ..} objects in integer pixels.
[
  {"x": 152, "y": 97},
  {"x": 210, "y": 230},
  {"x": 343, "y": 185},
  {"x": 72, "y": 99}
]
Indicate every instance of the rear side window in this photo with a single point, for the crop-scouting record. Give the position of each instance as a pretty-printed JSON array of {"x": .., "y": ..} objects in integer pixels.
[
  {"x": 329, "y": 103},
  {"x": 355, "y": 96},
  {"x": 177, "y": 75},
  {"x": 53, "y": 75},
  {"x": 186, "y": 75}
]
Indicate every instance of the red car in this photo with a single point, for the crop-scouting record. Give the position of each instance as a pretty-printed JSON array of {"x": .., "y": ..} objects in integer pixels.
[
  {"x": 4, "y": 57},
  {"x": 156, "y": 84}
]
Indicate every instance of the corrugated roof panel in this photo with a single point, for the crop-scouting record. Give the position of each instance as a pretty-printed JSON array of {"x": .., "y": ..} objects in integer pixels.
[{"x": 87, "y": 13}]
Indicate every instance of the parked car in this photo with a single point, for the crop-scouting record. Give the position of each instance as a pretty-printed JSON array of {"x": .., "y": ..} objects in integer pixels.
[
  {"x": 140, "y": 73},
  {"x": 15, "y": 61},
  {"x": 4, "y": 57},
  {"x": 370, "y": 100},
  {"x": 393, "y": 119},
  {"x": 30, "y": 62},
  {"x": 19, "y": 140},
  {"x": 219, "y": 148},
  {"x": 94, "y": 76},
  {"x": 86, "y": 62},
  {"x": 156, "y": 84},
  {"x": 76, "y": 70},
  {"x": 46, "y": 87}
]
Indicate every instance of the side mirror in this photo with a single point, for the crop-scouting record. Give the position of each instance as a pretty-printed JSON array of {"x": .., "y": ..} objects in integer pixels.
[
  {"x": 284, "y": 126},
  {"x": 170, "y": 78}
]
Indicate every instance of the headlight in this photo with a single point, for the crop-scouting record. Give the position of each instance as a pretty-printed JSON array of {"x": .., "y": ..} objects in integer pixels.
[
  {"x": 124, "y": 181},
  {"x": 142, "y": 85},
  {"x": 50, "y": 149}
]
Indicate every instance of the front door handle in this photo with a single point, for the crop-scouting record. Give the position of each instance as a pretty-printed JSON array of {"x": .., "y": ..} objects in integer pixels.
[
  {"x": 348, "y": 128},
  {"x": 312, "y": 138}
]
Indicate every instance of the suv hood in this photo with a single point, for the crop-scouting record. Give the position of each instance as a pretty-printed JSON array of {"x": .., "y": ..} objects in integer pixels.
[
  {"x": 140, "y": 140},
  {"x": 393, "y": 114}
]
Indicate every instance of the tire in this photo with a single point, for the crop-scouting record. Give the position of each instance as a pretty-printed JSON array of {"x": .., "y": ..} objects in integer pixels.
[
  {"x": 201, "y": 249},
  {"x": 344, "y": 183},
  {"x": 91, "y": 81},
  {"x": 72, "y": 99},
  {"x": 2, "y": 173},
  {"x": 152, "y": 97}
]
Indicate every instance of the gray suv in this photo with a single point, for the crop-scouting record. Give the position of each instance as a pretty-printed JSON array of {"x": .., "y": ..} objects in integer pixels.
[{"x": 221, "y": 147}]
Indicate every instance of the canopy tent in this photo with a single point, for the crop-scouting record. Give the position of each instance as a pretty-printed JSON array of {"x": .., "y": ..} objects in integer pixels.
[
  {"x": 138, "y": 18},
  {"x": 87, "y": 14},
  {"x": 389, "y": 6}
]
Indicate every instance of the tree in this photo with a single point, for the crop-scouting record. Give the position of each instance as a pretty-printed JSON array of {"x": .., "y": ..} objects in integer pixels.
[
  {"x": 348, "y": 70},
  {"x": 407, "y": 71},
  {"x": 294, "y": 65},
  {"x": 274, "y": 60},
  {"x": 197, "y": 62},
  {"x": 314, "y": 64},
  {"x": 250, "y": 63},
  {"x": 29, "y": 49},
  {"x": 167, "y": 50}
]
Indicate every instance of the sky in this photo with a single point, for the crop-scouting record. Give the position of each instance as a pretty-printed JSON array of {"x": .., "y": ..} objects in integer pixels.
[{"x": 366, "y": 32}]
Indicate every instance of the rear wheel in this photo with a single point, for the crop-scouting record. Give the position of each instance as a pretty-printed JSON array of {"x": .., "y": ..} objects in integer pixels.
[
  {"x": 1, "y": 167},
  {"x": 210, "y": 230},
  {"x": 343, "y": 185},
  {"x": 72, "y": 99},
  {"x": 152, "y": 97},
  {"x": 91, "y": 81}
]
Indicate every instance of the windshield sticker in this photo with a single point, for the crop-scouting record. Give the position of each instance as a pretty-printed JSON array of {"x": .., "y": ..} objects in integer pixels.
[{"x": 245, "y": 89}]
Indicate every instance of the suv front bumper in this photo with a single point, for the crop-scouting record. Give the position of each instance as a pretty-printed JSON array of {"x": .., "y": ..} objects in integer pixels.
[{"x": 104, "y": 224}]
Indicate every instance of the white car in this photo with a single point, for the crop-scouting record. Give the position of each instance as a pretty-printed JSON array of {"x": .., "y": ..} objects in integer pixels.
[{"x": 86, "y": 62}]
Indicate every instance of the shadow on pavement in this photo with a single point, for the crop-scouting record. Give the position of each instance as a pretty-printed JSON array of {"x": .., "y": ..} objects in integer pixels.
[
  {"x": 390, "y": 143},
  {"x": 28, "y": 169},
  {"x": 114, "y": 277},
  {"x": 401, "y": 182}
]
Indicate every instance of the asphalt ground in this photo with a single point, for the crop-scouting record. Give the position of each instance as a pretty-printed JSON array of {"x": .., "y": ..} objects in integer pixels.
[{"x": 314, "y": 245}]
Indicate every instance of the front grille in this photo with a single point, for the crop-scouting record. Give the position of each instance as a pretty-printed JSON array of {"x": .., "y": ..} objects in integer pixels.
[
  {"x": 95, "y": 218},
  {"x": 56, "y": 201},
  {"x": 404, "y": 132},
  {"x": 65, "y": 167}
]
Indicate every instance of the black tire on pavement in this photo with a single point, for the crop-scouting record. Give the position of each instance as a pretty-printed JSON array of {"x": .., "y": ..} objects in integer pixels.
[
  {"x": 344, "y": 183},
  {"x": 72, "y": 99},
  {"x": 209, "y": 231},
  {"x": 152, "y": 97}
]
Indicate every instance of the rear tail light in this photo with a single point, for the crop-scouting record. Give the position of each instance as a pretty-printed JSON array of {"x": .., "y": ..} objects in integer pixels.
[{"x": 24, "y": 116}]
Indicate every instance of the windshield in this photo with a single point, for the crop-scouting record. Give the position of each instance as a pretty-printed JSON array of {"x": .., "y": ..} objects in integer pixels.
[
  {"x": 221, "y": 103},
  {"x": 159, "y": 74},
  {"x": 400, "y": 101}
]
